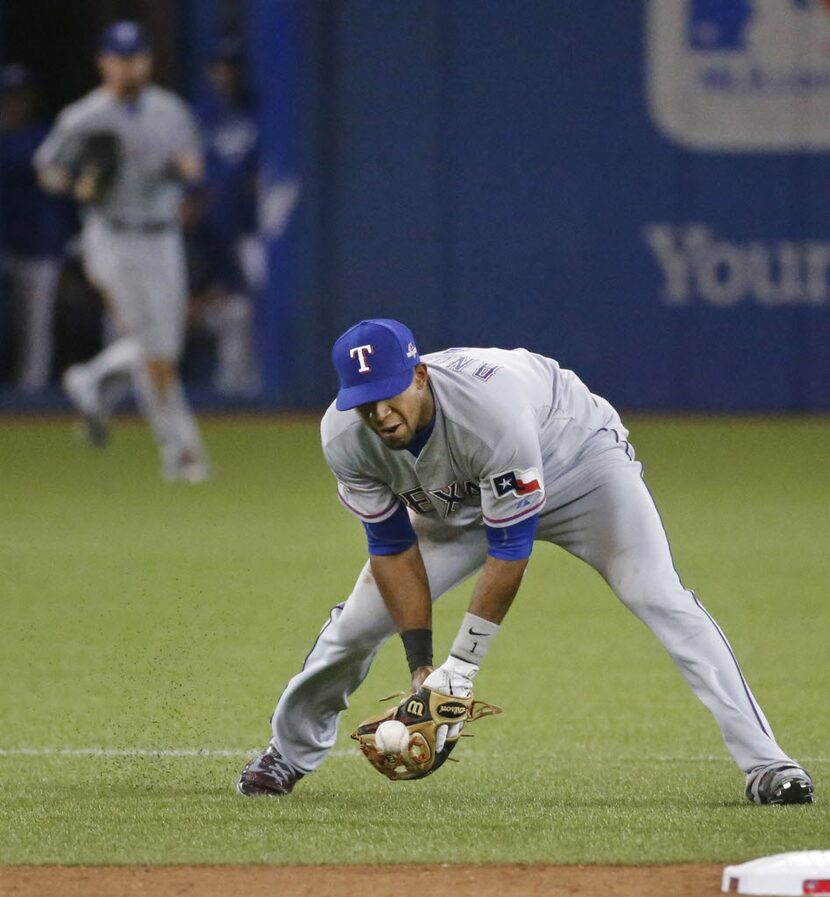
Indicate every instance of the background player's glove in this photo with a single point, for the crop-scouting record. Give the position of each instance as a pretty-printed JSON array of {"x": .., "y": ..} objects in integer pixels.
[
  {"x": 99, "y": 161},
  {"x": 431, "y": 726}
]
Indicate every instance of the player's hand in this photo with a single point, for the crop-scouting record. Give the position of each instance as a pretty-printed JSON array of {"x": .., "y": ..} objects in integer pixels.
[
  {"x": 453, "y": 677},
  {"x": 418, "y": 677},
  {"x": 84, "y": 187},
  {"x": 188, "y": 167},
  {"x": 55, "y": 180}
]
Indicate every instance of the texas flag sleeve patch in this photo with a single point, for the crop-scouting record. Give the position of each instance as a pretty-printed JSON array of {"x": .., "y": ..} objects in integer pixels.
[
  {"x": 513, "y": 495},
  {"x": 516, "y": 482}
]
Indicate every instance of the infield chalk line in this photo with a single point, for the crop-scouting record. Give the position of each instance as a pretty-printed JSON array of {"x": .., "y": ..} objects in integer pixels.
[
  {"x": 124, "y": 752},
  {"x": 340, "y": 752},
  {"x": 144, "y": 752}
]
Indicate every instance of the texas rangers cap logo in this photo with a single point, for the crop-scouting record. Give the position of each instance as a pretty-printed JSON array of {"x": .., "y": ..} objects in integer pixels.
[
  {"x": 374, "y": 360},
  {"x": 516, "y": 482},
  {"x": 360, "y": 353}
]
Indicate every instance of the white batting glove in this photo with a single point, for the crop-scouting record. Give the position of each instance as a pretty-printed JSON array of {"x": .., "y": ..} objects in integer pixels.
[{"x": 453, "y": 677}]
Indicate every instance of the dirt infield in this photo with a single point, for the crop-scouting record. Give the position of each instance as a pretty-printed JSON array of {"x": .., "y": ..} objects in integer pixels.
[{"x": 345, "y": 881}]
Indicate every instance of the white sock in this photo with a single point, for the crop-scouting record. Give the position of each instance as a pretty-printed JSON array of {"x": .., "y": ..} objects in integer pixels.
[
  {"x": 183, "y": 421},
  {"x": 169, "y": 416},
  {"x": 154, "y": 408}
]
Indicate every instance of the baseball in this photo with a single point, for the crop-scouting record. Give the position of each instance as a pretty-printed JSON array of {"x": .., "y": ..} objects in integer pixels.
[{"x": 392, "y": 737}]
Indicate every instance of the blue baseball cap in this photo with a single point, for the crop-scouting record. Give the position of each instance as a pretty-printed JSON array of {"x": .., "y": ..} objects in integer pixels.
[
  {"x": 374, "y": 361},
  {"x": 229, "y": 49},
  {"x": 15, "y": 76},
  {"x": 124, "y": 38}
]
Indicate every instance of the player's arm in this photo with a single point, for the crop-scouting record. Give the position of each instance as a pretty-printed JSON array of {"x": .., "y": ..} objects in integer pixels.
[
  {"x": 187, "y": 160},
  {"x": 509, "y": 550},
  {"x": 394, "y": 558},
  {"x": 496, "y": 588},
  {"x": 54, "y": 158},
  {"x": 401, "y": 578},
  {"x": 402, "y": 581},
  {"x": 512, "y": 495}
]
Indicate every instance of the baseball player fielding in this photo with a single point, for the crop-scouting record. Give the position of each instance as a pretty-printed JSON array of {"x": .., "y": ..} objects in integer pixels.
[{"x": 457, "y": 463}]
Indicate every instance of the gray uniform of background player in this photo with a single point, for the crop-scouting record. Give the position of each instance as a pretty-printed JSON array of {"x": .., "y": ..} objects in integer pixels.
[
  {"x": 132, "y": 249},
  {"x": 132, "y": 241},
  {"x": 503, "y": 411}
]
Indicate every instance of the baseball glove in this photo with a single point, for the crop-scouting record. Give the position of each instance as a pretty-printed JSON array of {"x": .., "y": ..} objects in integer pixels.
[
  {"x": 99, "y": 161},
  {"x": 433, "y": 724}
]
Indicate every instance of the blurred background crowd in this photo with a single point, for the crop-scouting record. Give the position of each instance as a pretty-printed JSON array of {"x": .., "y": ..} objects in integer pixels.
[
  {"x": 51, "y": 315},
  {"x": 636, "y": 189}
]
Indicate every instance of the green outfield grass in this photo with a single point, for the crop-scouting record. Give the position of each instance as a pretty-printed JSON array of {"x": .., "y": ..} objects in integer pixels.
[{"x": 138, "y": 616}]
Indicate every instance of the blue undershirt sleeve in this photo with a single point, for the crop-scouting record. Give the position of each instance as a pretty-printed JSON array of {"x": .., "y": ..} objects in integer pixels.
[
  {"x": 393, "y": 535},
  {"x": 512, "y": 543}
]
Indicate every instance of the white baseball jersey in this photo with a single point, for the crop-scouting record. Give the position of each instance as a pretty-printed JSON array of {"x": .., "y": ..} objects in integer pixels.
[
  {"x": 510, "y": 426},
  {"x": 132, "y": 247},
  {"x": 153, "y": 129}
]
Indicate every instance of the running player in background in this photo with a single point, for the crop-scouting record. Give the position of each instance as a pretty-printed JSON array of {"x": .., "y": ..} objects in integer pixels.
[
  {"x": 457, "y": 463},
  {"x": 132, "y": 244}
]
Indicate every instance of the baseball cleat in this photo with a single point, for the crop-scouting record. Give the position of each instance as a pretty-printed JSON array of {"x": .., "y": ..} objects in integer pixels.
[
  {"x": 779, "y": 783},
  {"x": 187, "y": 467},
  {"x": 267, "y": 774},
  {"x": 83, "y": 393}
]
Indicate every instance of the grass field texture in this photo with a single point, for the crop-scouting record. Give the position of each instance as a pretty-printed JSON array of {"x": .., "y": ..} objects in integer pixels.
[{"x": 143, "y": 623}]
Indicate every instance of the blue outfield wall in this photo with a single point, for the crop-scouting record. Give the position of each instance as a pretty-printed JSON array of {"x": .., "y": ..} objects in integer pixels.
[{"x": 639, "y": 189}]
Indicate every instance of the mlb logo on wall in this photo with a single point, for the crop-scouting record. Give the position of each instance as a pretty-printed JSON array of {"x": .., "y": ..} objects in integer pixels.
[{"x": 740, "y": 75}]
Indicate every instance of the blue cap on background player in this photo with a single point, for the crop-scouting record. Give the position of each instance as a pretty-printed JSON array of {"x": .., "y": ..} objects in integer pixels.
[
  {"x": 15, "y": 76},
  {"x": 374, "y": 361},
  {"x": 124, "y": 38}
]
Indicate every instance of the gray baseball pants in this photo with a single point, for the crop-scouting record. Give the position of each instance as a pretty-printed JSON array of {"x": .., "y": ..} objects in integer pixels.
[
  {"x": 616, "y": 528},
  {"x": 144, "y": 276}
]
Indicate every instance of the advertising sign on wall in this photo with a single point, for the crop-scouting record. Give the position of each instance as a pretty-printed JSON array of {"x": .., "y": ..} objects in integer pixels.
[{"x": 740, "y": 75}]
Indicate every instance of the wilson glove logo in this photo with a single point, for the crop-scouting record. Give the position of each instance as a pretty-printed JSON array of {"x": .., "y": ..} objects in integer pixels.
[
  {"x": 452, "y": 709},
  {"x": 416, "y": 707}
]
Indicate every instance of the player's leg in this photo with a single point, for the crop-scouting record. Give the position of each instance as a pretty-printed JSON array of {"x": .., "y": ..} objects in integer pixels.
[
  {"x": 152, "y": 296},
  {"x": 165, "y": 404},
  {"x": 37, "y": 288},
  {"x": 116, "y": 360},
  {"x": 87, "y": 384},
  {"x": 96, "y": 386},
  {"x": 122, "y": 353},
  {"x": 617, "y": 529},
  {"x": 306, "y": 717},
  {"x": 230, "y": 318}
]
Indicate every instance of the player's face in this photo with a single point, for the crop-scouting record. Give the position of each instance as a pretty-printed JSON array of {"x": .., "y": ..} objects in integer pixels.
[
  {"x": 125, "y": 75},
  {"x": 15, "y": 108},
  {"x": 395, "y": 420},
  {"x": 226, "y": 78}
]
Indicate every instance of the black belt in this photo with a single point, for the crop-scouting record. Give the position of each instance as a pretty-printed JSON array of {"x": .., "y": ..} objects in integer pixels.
[{"x": 146, "y": 227}]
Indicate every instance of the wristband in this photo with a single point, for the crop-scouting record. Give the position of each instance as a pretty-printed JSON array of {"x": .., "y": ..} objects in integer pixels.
[
  {"x": 418, "y": 646},
  {"x": 473, "y": 640}
]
